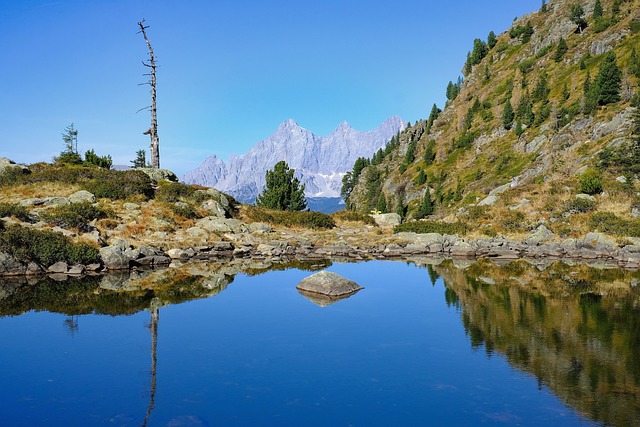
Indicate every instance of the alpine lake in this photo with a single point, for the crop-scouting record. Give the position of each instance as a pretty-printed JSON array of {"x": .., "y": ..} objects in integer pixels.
[{"x": 426, "y": 342}]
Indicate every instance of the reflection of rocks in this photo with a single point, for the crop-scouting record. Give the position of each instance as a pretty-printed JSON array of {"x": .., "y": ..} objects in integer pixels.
[
  {"x": 323, "y": 300},
  {"x": 115, "y": 281},
  {"x": 328, "y": 284}
]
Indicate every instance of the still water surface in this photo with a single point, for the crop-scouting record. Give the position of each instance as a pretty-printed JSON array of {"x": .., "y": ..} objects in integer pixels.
[{"x": 417, "y": 346}]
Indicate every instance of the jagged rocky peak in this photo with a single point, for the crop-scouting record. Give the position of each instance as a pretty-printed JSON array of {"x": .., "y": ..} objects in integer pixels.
[{"x": 320, "y": 163}]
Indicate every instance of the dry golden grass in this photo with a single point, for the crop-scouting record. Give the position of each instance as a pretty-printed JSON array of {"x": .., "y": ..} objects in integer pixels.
[{"x": 38, "y": 190}]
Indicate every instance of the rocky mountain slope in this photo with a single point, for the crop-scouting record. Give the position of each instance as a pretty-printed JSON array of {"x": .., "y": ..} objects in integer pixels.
[
  {"x": 320, "y": 163},
  {"x": 545, "y": 109}
]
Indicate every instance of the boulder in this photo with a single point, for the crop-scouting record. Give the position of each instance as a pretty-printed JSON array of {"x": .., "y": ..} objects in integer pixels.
[
  {"x": 9, "y": 266},
  {"x": 387, "y": 220},
  {"x": 6, "y": 163},
  {"x": 328, "y": 283},
  {"x": 488, "y": 201},
  {"x": 542, "y": 234},
  {"x": 324, "y": 288},
  {"x": 157, "y": 174},
  {"x": 58, "y": 267},
  {"x": 214, "y": 208},
  {"x": 114, "y": 258},
  {"x": 222, "y": 225},
  {"x": 82, "y": 196},
  {"x": 56, "y": 201}
]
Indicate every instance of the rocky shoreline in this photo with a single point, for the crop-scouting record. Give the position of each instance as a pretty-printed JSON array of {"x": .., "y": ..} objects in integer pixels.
[{"x": 260, "y": 243}]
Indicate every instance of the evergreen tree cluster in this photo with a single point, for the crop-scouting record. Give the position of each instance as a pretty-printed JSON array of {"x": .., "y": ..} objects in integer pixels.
[
  {"x": 283, "y": 191},
  {"x": 522, "y": 32}
]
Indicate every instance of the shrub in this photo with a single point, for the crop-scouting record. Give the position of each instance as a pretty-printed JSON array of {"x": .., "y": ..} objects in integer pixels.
[
  {"x": 184, "y": 210},
  {"x": 353, "y": 217},
  {"x": 120, "y": 185},
  {"x": 10, "y": 176},
  {"x": 45, "y": 247},
  {"x": 173, "y": 191},
  {"x": 591, "y": 182},
  {"x": 512, "y": 221},
  {"x": 14, "y": 209},
  {"x": 315, "y": 220},
  {"x": 608, "y": 222},
  {"x": 76, "y": 215},
  {"x": 580, "y": 205},
  {"x": 431, "y": 227}
]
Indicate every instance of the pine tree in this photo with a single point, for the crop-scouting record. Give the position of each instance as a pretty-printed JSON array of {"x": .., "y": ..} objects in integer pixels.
[
  {"x": 492, "y": 40},
  {"x": 429, "y": 154},
  {"x": 561, "y": 49},
  {"x": 283, "y": 191},
  {"x": 433, "y": 116},
  {"x": 518, "y": 129},
  {"x": 608, "y": 82},
  {"x": 543, "y": 8},
  {"x": 541, "y": 91},
  {"x": 140, "y": 161},
  {"x": 421, "y": 178},
  {"x": 507, "y": 115},
  {"x": 381, "y": 206},
  {"x": 589, "y": 96},
  {"x": 426, "y": 207},
  {"x": 597, "y": 11},
  {"x": 634, "y": 63},
  {"x": 577, "y": 17}
]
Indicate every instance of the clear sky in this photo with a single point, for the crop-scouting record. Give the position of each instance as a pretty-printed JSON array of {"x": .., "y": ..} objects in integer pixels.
[{"x": 230, "y": 71}]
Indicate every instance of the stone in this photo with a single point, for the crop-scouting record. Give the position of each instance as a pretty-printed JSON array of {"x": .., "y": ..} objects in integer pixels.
[
  {"x": 260, "y": 227},
  {"x": 462, "y": 249},
  {"x": 6, "y": 163},
  {"x": 56, "y": 201},
  {"x": 488, "y": 201},
  {"x": 501, "y": 189},
  {"x": 387, "y": 220},
  {"x": 214, "y": 208},
  {"x": 621, "y": 179},
  {"x": 77, "y": 269},
  {"x": 131, "y": 206},
  {"x": 9, "y": 266},
  {"x": 157, "y": 174},
  {"x": 329, "y": 284},
  {"x": 180, "y": 254},
  {"x": 82, "y": 196},
  {"x": 542, "y": 234},
  {"x": 222, "y": 225},
  {"x": 114, "y": 258},
  {"x": 635, "y": 212},
  {"x": 196, "y": 232},
  {"x": 58, "y": 267},
  {"x": 585, "y": 197}
]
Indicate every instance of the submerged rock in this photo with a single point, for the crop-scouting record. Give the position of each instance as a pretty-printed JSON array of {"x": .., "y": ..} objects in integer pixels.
[{"x": 328, "y": 284}]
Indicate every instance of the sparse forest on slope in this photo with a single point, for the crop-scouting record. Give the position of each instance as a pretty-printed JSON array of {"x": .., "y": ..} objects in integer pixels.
[{"x": 546, "y": 112}]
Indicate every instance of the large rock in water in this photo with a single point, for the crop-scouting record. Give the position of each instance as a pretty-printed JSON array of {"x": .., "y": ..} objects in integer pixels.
[{"x": 325, "y": 288}]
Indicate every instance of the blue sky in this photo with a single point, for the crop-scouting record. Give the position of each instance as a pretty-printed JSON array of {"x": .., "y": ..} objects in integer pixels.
[{"x": 230, "y": 71}]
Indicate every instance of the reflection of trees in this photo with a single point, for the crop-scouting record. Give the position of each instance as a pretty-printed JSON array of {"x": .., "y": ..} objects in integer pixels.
[
  {"x": 153, "y": 327},
  {"x": 557, "y": 325},
  {"x": 71, "y": 324}
]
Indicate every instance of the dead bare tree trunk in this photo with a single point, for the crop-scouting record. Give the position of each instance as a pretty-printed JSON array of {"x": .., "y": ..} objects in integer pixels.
[{"x": 153, "y": 130}]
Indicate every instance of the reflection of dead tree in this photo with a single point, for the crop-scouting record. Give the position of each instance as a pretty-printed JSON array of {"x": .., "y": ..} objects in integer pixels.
[
  {"x": 153, "y": 327},
  {"x": 71, "y": 324},
  {"x": 153, "y": 130}
]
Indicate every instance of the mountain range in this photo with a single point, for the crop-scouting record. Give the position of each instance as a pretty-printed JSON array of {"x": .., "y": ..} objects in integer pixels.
[{"x": 319, "y": 162}]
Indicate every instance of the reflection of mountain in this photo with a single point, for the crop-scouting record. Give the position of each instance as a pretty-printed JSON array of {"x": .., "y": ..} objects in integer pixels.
[{"x": 557, "y": 325}]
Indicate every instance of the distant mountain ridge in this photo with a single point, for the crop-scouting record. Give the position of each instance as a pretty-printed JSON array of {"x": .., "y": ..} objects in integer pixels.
[{"x": 319, "y": 162}]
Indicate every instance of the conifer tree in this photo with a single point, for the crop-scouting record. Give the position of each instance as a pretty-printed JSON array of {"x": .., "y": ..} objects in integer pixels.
[
  {"x": 381, "y": 206},
  {"x": 561, "y": 49},
  {"x": 597, "y": 11},
  {"x": 492, "y": 40},
  {"x": 426, "y": 206},
  {"x": 421, "y": 178},
  {"x": 577, "y": 17},
  {"x": 283, "y": 191},
  {"x": 608, "y": 82},
  {"x": 507, "y": 115}
]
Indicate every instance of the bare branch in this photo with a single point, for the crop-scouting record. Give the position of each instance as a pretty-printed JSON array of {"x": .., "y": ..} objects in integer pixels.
[{"x": 144, "y": 108}]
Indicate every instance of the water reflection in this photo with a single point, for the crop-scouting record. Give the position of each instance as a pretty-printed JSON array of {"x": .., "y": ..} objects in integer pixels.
[{"x": 576, "y": 328}]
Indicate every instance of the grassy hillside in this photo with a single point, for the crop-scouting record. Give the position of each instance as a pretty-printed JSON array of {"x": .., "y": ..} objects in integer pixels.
[{"x": 571, "y": 80}]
